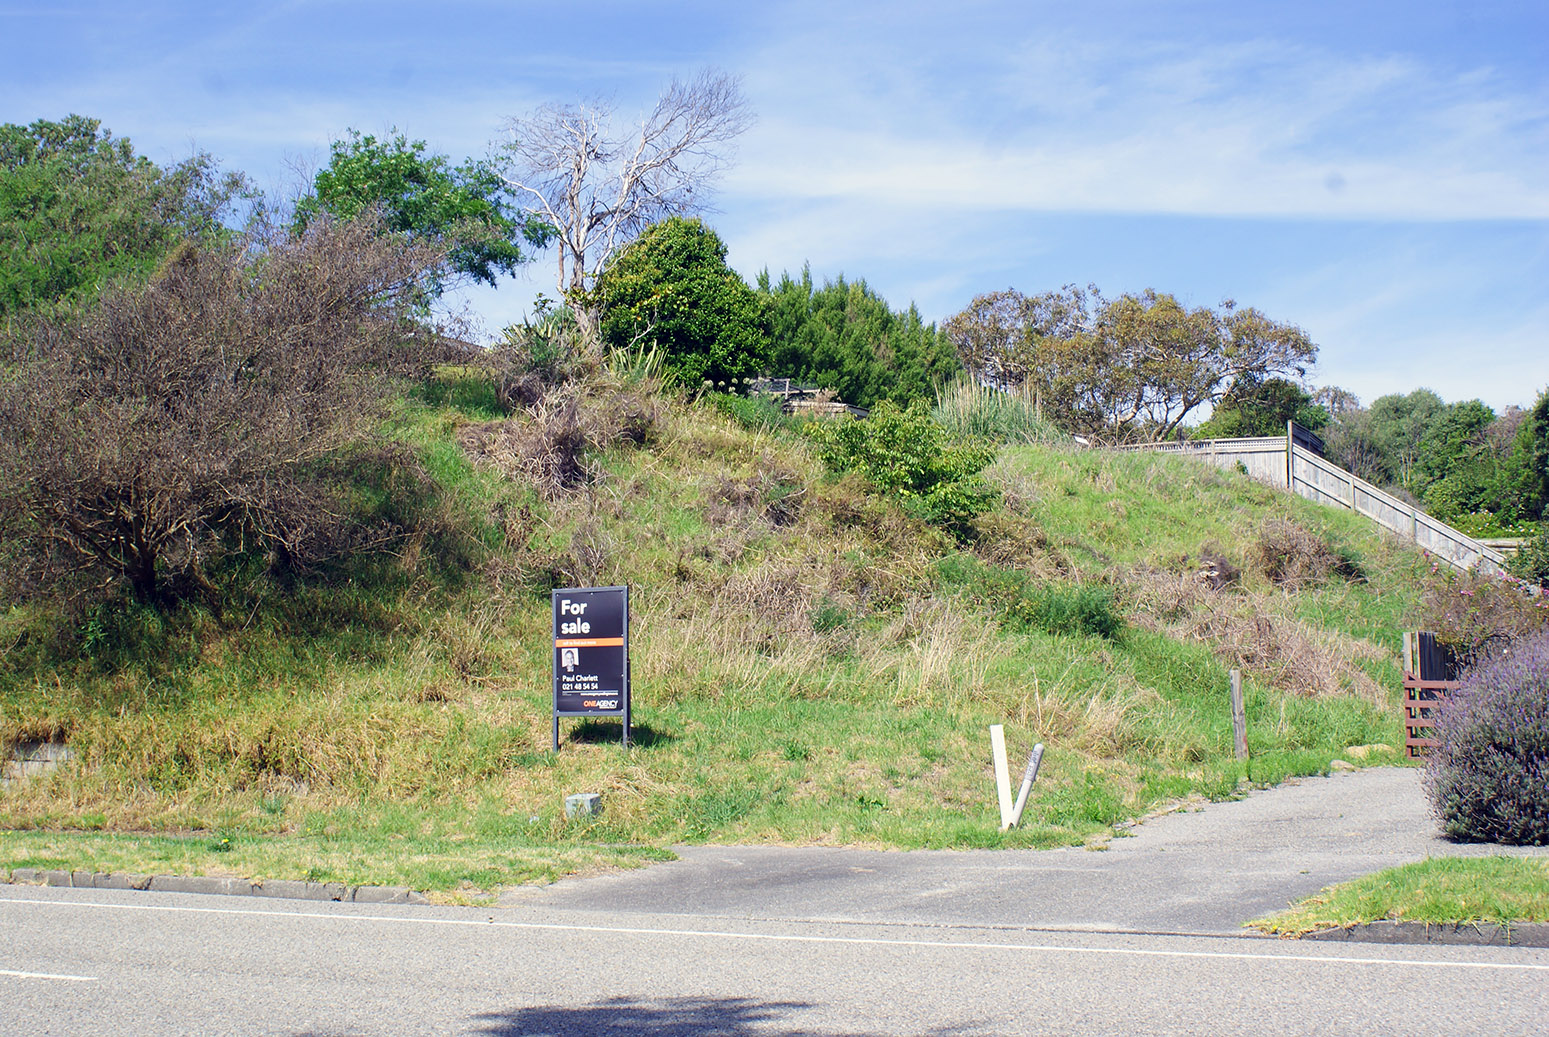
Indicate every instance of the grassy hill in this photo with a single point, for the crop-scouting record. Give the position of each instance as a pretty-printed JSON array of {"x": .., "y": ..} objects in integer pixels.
[{"x": 811, "y": 663}]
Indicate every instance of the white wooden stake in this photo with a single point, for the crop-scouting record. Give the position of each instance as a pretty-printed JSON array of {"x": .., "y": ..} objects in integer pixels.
[
  {"x": 1002, "y": 773},
  {"x": 1029, "y": 776}
]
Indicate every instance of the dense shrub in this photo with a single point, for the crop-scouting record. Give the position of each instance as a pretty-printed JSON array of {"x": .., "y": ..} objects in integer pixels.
[
  {"x": 1478, "y": 614},
  {"x": 168, "y": 425},
  {"x": 906, "y": 454},
  {"x": 1531, "y": 562},
  {"x": 672, "y": 288},
  {"x": 1489, "y": 776}
]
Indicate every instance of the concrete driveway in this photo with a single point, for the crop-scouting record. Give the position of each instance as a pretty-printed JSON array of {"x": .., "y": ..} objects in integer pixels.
[{"x": 1203, "y": 870}]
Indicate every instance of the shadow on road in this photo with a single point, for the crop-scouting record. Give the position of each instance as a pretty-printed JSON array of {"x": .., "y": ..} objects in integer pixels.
[{"x": 668, "y": 1017}]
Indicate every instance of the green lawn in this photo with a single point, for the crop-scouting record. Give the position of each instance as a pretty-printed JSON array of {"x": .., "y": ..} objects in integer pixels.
[{"x": 1438, "y": 890}]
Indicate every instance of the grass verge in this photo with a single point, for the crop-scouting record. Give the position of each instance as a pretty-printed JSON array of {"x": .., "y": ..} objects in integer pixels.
[
  {"x": 1436, "y": 891},
  {"x": 472, "y": 856}
]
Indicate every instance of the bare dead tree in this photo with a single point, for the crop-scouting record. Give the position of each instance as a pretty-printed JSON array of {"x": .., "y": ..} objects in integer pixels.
[{"x": 597, "y": 186}]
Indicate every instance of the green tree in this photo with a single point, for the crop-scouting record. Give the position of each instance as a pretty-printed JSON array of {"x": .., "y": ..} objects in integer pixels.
[
  {"x": 1530, "y": 450},
  {"x": 1456, "y": 439},
  {"x": 463, "y": 209},
  {"x": 1256, "y": 406},
  {"x": 671, "y": 288},
  {"x": 1457, "y": 459},
  {"x": 1398, "y": 425},
  {"x": 79, "y": 210},
  {"x": 844, "y": 336},
  {"x": 1130, "y": 366}
]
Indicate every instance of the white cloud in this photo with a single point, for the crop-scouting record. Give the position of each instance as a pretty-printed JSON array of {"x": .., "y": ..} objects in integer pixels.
[{"x": 1250, "y": 130}]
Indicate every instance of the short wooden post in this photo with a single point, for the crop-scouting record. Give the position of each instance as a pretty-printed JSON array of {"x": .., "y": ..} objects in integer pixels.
[{"x": 1239, "y": 717}]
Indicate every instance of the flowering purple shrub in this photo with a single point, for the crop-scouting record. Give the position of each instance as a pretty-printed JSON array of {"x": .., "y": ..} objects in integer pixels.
[{"x": 1489, "y": 776}]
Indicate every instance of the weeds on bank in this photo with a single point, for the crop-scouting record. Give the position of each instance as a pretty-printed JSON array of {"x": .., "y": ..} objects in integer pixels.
[{"x": 812, "y": 663}]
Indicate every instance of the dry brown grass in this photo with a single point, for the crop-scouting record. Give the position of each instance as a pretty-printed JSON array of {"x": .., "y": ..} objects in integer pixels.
[
  {"x": 554, "y": 443},
  {"x": 1011, "y": 540},
  {"x": 1290, "y": 555},
  {"x": 773, "y": 493},
  {"x": 1256, "y": 631}
]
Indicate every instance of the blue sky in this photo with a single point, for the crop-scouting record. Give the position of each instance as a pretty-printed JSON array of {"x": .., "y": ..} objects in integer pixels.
[{"x": 1377, "y": 173}]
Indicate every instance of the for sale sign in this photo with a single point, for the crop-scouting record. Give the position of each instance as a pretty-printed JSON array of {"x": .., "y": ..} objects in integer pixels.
[{"x": 591, "y": 654}]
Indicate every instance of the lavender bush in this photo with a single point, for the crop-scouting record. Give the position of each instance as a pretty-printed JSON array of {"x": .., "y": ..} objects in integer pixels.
[{"x": 1489, "y": 776}]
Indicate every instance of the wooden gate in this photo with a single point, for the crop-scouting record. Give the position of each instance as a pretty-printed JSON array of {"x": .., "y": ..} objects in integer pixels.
[{"x": 1430, "y": 673}]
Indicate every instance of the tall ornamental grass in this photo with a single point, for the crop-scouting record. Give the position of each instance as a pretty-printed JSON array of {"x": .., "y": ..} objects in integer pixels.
[{"x": 982, "y": 412}]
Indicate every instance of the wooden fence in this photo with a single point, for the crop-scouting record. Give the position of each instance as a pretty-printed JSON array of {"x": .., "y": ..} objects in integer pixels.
[
  {"x": 1295, "y": 462},
  {"x": 1430, "y": 674},
  {"x": 1262, "y": 457},
  {"x": 1323, "y": 481}
]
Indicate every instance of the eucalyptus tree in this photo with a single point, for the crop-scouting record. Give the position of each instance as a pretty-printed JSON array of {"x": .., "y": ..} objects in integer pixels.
[{"x": 1133, "y": 366}]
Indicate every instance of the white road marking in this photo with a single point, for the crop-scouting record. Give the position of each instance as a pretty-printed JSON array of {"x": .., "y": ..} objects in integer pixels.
[
  {"x": 48, "y": 975},
  {"x": 871, "y": 941}
]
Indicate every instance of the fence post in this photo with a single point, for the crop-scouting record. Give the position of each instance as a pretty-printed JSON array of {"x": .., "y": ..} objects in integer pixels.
[
  {"x": 1239, "y": 717},
  {"x": 1002, "y": 774},
  {"x": 1290, "y": 458}
]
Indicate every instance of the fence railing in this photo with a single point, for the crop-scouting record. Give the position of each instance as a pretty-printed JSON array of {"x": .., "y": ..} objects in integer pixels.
[
  {"x": 1262, "y": 457},
  {"x": 1422, "y": 701},
  {"x": 1294, "y": 461},
  {"x": 1320, "y": 480},
  {"x": 1430, "y": 674}
]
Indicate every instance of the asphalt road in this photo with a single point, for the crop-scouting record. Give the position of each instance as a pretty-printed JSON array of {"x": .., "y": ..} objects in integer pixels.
[{"x": 742, "y": 941}]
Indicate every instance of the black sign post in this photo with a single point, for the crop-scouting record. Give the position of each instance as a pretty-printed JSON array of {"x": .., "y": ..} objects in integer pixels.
[{"x": 591, "y": 654}]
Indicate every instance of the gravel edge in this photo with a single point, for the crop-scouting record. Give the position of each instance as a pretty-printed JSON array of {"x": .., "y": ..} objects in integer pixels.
[{"x": 290, "y": 889}]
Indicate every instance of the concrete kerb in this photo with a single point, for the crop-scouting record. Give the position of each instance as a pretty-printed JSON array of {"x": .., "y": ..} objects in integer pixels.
[
  {"x": 209, "y": 884},
  {"x": 1476, "y": 934},
  {"x": 1470, "y": 934}
]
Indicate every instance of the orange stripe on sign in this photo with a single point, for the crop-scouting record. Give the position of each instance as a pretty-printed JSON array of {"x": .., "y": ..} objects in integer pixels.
[{"x": 590, "y": 642}]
